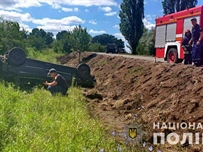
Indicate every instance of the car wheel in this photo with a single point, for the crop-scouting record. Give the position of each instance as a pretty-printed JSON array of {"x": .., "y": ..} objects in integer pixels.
[
  {"x": 16, "y": 57},
  {"x": 172, "y": 56},
  {"x": 83, "y": 71}
]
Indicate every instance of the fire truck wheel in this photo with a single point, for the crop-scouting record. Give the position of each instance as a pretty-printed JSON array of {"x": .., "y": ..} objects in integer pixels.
[
  {"x": 83, "y": 71},
  {"x": 16, "y": 57},
  {"x": 172, "y": 56}
]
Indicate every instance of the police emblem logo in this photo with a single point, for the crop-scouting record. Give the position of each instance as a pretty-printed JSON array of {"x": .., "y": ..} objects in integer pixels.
[{"x": 132, "y": 133}]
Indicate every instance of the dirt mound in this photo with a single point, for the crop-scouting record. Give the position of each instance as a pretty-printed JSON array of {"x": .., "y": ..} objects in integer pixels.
[{"x": 148, "y": 92}]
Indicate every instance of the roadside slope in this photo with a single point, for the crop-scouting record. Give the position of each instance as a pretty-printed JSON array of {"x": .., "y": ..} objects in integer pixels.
[{"x": 153, "y": 92}]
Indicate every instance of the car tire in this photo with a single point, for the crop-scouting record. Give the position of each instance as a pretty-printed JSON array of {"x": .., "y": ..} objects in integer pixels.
[
  {"x": 16, "y": 57},
  {"x": 83, "y": 71},
  {"x": 172, "y": 56}
]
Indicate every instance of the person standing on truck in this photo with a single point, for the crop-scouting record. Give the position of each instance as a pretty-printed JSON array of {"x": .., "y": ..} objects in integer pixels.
[
  {"x": 59, "y": 84},
  {"x": 196, "y": 40},
  {"x": 187, "y": 48}
]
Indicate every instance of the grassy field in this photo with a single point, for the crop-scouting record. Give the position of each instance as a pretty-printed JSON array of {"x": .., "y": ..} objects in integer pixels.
[
  {"x": 47, "y": 55},
  {"x": 39, "y": 122},
  {"x": 36, "y": 121}
]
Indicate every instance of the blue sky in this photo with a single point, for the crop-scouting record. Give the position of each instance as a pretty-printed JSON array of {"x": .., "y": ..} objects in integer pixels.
[{"x": 98, "y": 16}]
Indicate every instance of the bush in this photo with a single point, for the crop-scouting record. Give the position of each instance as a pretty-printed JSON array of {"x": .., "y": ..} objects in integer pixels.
[
  {"x": 47, "y": 55},
  {"x": 97, "y": 47}
]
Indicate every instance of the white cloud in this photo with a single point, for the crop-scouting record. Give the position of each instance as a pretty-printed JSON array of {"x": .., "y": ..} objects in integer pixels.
[
  {"x": 55, "y": 29},
  {"x": 96, "y": 32},
  {"x": 76, "y": 9},
  {"x": 86, "y": 10},
  {"x": 93, "y": 22},
  {"x": 110, "y": 14},
  {"x": 10, "y": 9},
  {"x": 116, "y": 26},
  {"x": 56, "y": 6},
  {"x": 120, "y": 36},
  {"x": 53, "y": 3},
  {"x": 47, "y": 24},
  {"x": 82, "y": 2},
  {"x": 56, "y": 25},
  {"x": 15, "y": 5},
  {"x": 8, "y": 3},
  {"x": 67, "y": 9},
  {"x": 106, "y": 9},
  {"x": 27, "y": 4},
  {"x": 16, "y": 16},
  {"x": 58, "y": 22},
  {"x": 119, "y": 7},
  {"x": 70, "y": 9},
  {"x": 148, "y": 24}
]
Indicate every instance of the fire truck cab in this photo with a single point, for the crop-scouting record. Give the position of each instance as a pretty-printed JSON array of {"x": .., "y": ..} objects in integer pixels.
[{"x": 169, "y": 32}]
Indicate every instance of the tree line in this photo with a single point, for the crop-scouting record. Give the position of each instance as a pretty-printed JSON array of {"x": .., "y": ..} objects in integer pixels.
[
  {"x": 78, "y": 39},
  {"x": 65, "y": 41}
]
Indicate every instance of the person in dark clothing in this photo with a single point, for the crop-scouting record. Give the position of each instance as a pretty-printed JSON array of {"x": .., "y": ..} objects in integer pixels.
[
  {"x": 196, "y": 40},
  {"x": 187, "y": 48},
  {"x": 59, "y": 84}
]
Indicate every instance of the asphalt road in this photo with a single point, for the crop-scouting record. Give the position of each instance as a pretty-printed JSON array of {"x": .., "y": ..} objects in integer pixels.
[{"x": 134, "y": 57}]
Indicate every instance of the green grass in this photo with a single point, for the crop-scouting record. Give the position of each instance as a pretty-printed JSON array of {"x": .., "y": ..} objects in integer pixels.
[
  {"x": 103, "y": 63},
  {"x": 135, "y": 70},
  {"x": 39, "y": 122},
  {"x": 47, "y": 55}
]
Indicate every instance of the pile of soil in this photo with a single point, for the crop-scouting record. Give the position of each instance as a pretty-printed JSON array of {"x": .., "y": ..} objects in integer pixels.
[{"x": 146, "y": 92}]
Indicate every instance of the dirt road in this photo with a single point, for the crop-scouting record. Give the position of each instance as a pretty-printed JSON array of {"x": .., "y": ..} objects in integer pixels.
[{"x": 133, "y": 56}]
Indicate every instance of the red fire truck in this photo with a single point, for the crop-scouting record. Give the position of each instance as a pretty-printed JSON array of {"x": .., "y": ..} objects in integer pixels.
[{"x": 170, "y": 30}]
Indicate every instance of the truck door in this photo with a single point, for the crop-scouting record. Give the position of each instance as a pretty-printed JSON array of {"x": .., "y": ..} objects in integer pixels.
[
  {"x": 160, "y": 39},
  {"x": 171, "y": 32}
]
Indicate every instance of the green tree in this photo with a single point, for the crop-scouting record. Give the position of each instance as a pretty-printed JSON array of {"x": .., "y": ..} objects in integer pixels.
[
  {"x": 49, "y": 39},
  {"x": 131, "y": 24},
  {"x": 104, "y": 39},
  {"x": 76, "y": 40},
  {"x": 172, "y": 6},
  {"x": 61, "y": 35},
  {"x": 146, "y": 43},
  {"x": 40, "y": 39},
  {"x": 11, "y": 36},
  {"x": 80, "y": 40},
  {"x": 63, "y": 42}
]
